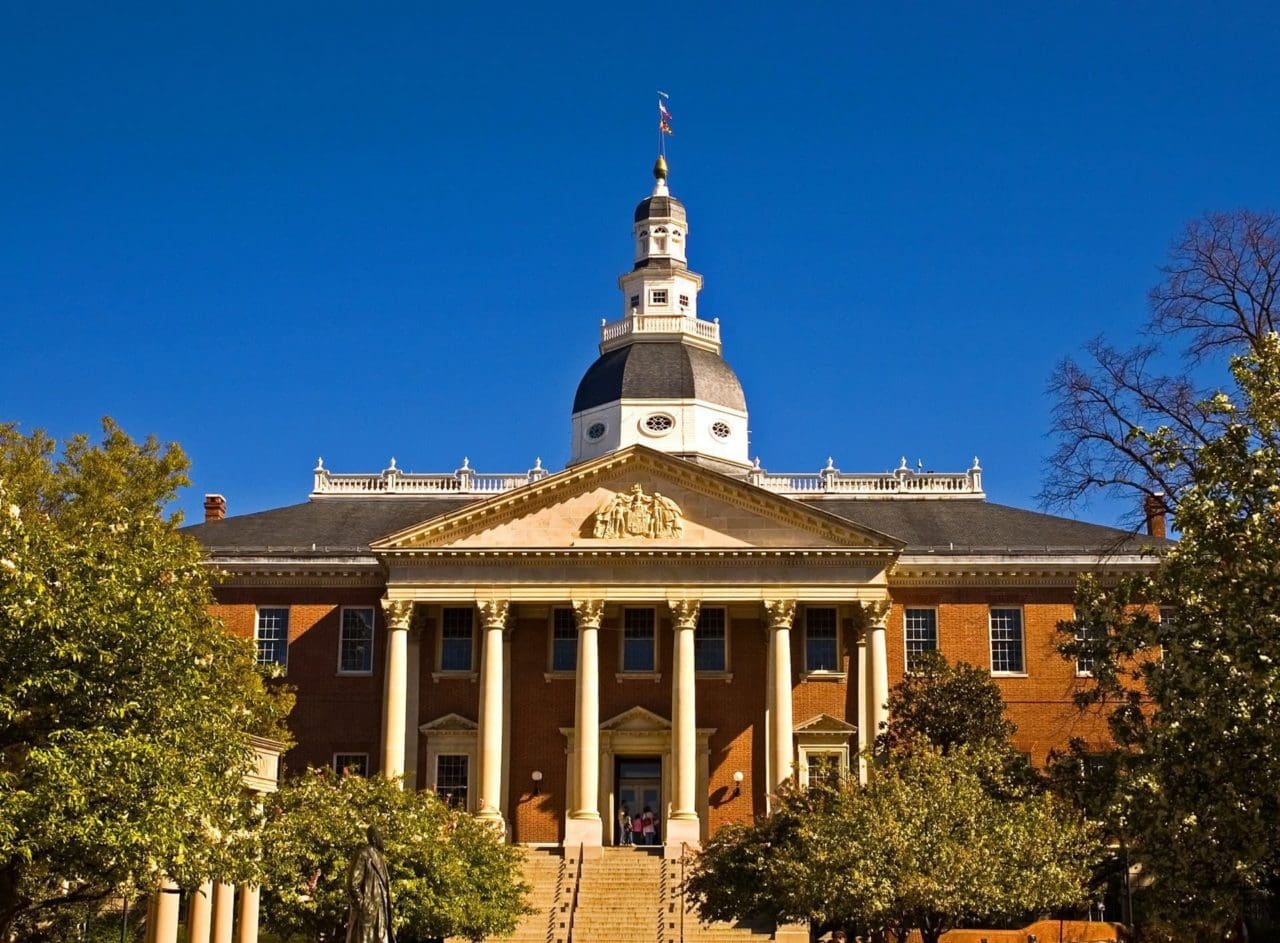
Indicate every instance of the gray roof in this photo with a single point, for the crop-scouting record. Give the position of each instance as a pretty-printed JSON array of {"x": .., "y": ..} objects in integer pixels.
[
  {"x": 330, "y": 524},
  {"x": 939, "y": 526},
  {"x": 665, "y": 370},
  {"x": 660, "y": 207},
  {"x": 977, "y": 526}
]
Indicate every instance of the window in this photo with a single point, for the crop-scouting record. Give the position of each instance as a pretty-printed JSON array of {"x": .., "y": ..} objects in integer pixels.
[
  {"x": 658, "y": 296},
  {"x": 920, "y": 626},
  {"x": 355, "y": 642},
  {"x": 684, "y": 301},
  {"x": 638, "y": 641},
  {"x": 709, "y": 641},
  {"x": 1084, "y": 660},
  {"x": 564, "y": 640},
  {"x": 635, "y": 302},
  {"x": 271, "y": 636},
  {"x": 659, "y": 423},
  {"x": 1006, "y": 641},
  {"x": 824, "y": 769},
  {"x": 820, "y": 650},
  {"x": 351, "y": 764},
  {"x": 596, "y": 431},
  {"x": 721, "y": 430},
  {"x": 451, "y": 779},
  {"x": 456, "y": 640}
]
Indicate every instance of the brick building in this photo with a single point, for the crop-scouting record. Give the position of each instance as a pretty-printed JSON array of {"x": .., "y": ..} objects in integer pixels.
[{"x": 662, "y": 624}]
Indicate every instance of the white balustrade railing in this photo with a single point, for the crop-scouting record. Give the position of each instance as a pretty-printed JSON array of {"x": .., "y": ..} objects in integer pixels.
[
  {"x": 659, "y": 324},
  {"x": 903, "y": 482}
]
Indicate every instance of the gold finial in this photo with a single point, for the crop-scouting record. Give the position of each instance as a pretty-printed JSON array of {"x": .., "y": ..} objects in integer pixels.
[{"x": 660, "y": 168}]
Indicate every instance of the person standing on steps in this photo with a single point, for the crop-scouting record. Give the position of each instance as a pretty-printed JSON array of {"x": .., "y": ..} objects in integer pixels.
[
  {"x": 624, "y": 826},
  {"x": 650, "y": 836},
  {"x": 637, "y": 829}
]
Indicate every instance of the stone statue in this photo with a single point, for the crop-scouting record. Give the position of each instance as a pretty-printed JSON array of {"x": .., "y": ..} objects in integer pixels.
[
  {"x": 636, "y": 514},
  {"x": 369, "y": 889}
]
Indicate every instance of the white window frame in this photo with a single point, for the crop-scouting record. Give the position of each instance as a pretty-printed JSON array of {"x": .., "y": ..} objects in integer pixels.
[
  {"x": 937, "y": 633},
  {"x": 714, "y": 672},
  {"x": 837, "y": 671},
  {"x": 804, "y": 751},
  {"x": 1082, "y": 636},
  {"x": 373, "y": 640},
  {"x": 552, "y": 670},
  {"x": 288, "y": 617},
  {"x": 471, "y": 764},
  {"x": 442, "y": 671},
  {"x": 339, "y": 769},
  {"x": 655, "y": 293},
  {"x": 623, "y": 671},
  {"x": 1022, "y": 642}
]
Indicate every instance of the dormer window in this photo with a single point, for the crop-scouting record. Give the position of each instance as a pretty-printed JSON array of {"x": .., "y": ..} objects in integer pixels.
[{"x": 658, "y": 296}]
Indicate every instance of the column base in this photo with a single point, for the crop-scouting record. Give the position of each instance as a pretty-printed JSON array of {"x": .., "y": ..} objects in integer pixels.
[
  {"x": 586, "y": 834},
  {"x": 683, "y": 834}
]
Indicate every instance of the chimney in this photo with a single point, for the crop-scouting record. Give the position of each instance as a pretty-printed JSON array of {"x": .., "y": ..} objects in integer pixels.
[
  {"x": 1153, "y": 510},
  {"x": 215, "y": 507}
]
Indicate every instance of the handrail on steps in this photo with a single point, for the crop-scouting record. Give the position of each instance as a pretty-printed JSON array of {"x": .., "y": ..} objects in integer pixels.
[
  {"x": 684, "y": 853},
  {"x": 573, "y": 898}
]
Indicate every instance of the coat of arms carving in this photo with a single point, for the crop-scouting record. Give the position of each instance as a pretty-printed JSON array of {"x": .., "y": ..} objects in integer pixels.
[{"x": 636, "y": 514}]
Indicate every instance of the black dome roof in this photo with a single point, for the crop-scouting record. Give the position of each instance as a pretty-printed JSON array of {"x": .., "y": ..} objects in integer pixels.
[
  {"x": 661, "y": 207},
  {"x": 665, "y": 370}
]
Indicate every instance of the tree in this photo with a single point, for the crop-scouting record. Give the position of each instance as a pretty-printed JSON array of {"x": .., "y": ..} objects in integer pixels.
[
  {"x": 125, "y": 709},
  {"x": 946, "y": 705},
  {"x": 1194, "y": 689},
  {"x": 927, "y": 845},
  {"x": 1216, "y": 299},
  {"x": 451, "y": 874}
]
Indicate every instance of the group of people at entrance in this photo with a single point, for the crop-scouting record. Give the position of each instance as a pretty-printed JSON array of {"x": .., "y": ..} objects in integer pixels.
[{"x": 638, "y": 829}]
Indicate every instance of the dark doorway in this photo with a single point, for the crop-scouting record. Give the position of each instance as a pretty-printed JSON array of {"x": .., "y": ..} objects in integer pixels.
[{"x": 639, "y": 787}]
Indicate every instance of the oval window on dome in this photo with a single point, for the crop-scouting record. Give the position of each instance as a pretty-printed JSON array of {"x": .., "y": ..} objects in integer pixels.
[
  {"x": 658, "y": 424},
  {"x": 596, "y": 431},
  {"x": 721, "y": 430}
]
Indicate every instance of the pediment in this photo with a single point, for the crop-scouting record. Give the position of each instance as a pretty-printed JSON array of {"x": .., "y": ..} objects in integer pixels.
[
  {"x": 637, "y": 718},
  {"x": 825, "y": 723},
  {"x": 450, "y": 723},
  {"x": 637, "y": 498}
]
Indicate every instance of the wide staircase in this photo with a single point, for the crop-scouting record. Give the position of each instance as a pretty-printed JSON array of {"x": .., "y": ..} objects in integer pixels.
[{"x": 631, "y": 895}]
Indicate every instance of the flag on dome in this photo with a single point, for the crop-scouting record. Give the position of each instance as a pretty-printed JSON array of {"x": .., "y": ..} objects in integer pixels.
[{"x": 664, "y": 116}]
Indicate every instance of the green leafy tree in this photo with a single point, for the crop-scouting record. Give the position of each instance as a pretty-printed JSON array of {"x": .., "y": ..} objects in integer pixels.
[
  {"x": 125, "y": 709},
  {"x": 927, "y": 846},
  {"x": 946, "y": 705},
  {"x": 1194, "y": 691},
  {"x": 451, "y": 874}
]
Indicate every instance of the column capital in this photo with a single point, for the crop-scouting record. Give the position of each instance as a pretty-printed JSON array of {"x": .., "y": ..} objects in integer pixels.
[
  {"x": 398, "y": 612},
  {"x": 780, "y": 612},
  {"x": 875, "y": 613},
  {"x": 588, "y": 613},
  {"x": 494, "y": 612},
  {"x": 685, "y": 612}
]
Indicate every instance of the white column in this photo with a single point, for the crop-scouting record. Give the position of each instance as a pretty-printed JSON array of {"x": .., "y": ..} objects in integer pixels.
[
  {"x": 247, "y": 914},
  {"x": 584, "y": 827},
  {"x": 866, "y": 741},
  {"x": 395, "y": 694},
  {"x": 682, "y": 823},
  {"x": 199, "y": 910},
  {"x": 877, "y": 668},
  {"x": 223, "y": 912},
  {"x": 163, "y": 913},
  {"x": 780, "y": 613},
  {"x": 493, "y": 617}
]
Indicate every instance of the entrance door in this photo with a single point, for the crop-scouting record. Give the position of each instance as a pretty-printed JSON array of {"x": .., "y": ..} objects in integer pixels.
[{"x": 639, "y": 786}]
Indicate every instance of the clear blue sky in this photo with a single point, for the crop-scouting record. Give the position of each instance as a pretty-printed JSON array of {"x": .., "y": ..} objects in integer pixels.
[{"x": 274, "y": 231}]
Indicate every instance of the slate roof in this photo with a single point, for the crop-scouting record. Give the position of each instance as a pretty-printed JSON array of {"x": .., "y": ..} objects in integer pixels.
[
  {"x": 660, "y": 207},
  {"x": 665, "y": 370},
  {"x": 927, "y": 526}
]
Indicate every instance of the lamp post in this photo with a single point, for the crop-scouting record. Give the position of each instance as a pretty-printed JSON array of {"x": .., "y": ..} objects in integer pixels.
[
  {"x": 737, "y": 784},
  {"x": 536, "y": 776}
]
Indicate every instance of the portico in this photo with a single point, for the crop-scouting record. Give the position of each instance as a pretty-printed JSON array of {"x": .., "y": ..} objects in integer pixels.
[{"x": 727, "y": 570}]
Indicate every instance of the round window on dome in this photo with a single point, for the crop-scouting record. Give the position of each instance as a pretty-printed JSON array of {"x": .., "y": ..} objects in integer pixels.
[
  {"x": 596, "y": 431},
  {"x": 721, "y": 430},
  {"x": 658, "y": 424}
]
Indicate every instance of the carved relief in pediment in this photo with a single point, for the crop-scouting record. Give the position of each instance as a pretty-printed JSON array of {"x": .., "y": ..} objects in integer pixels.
[{"x": 636, "y": 514}]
